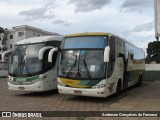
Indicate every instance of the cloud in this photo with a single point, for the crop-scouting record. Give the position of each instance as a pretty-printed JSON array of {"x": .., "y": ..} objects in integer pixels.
[
  {"x": 45, "y": 12},
  {"x": 144, "y": 27},
  {"x": 136, "y": 5},
  {"x": 6, "y": 1},
  {"x": 67, "y": 24},
  {"x": 36, "y": 14},
  {"x": 61, "y": 21},
  {"x": 58, "y": 21},
  {"x": 50, "y": 4},
  {"x": 42, "y": 13},
  {"x": 88, "y": 5}
]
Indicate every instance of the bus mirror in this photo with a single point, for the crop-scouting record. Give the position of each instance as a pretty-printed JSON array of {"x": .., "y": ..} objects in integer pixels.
[
  {"x": 51, "y": 54},
  {"x": 106, "y": 54},
  {"x": 42, "y": 50},
  {"x": 4, "y": 54}
]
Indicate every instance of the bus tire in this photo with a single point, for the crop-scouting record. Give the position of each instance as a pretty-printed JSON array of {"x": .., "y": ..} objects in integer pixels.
[{"x": 118, "y": 89}]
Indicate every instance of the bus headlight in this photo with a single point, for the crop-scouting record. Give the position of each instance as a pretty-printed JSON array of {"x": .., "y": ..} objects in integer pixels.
[
  {"x": 60, "y": 83},
  {"x": 99, "y": 86}
]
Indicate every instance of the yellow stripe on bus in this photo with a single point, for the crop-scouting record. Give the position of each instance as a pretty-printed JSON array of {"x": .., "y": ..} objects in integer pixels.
[
  {"x": 72, "y": 83},
  {"x": 88, "y": 34}
]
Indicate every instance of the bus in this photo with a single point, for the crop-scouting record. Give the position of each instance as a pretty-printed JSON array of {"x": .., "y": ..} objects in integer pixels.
[
  {"x": 98, "y": 64},
  {"x": 29, "y": 68}
]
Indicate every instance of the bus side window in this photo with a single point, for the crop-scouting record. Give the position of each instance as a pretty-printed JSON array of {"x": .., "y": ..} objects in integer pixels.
[
  {"x": 122, "y": 55},
  {"x": 132, "y": 56}
]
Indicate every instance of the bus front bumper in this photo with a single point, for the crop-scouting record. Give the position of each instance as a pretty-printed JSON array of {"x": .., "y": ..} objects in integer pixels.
[
  {"x": 35, "y": 87},
  {"x": 101, "y": 92}
]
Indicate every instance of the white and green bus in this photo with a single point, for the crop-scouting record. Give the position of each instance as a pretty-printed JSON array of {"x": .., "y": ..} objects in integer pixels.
[
  {"x": 29, "y": 69},
  {"x": 98, "y": 64}
]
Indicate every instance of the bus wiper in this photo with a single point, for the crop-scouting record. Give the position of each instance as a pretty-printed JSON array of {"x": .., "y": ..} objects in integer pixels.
[
  {"x": 16, "y": 71},
  {"x": 21, "y": 64},
  {"x": 74, "y": 64},
  {"x": 24, "y": 66},
  {"x": 18, "y": 68},
  {"x": 85, "y": 65}
]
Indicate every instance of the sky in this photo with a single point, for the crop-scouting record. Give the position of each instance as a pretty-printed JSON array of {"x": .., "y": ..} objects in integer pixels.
[{"x": 130, "y": 19}]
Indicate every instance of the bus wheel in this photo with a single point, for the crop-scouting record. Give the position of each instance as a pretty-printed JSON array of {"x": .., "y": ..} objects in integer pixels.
[{"x": 118, "y": 90}]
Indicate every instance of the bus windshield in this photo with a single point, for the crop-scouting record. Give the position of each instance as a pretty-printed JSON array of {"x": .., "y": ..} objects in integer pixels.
[
  {"x": 24, "y": 60},
  {"x": 82, "y": 58},
  {"x": 85, "y": 42}
]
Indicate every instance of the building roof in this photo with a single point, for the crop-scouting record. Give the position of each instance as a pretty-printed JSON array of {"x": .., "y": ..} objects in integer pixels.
[{"x": 33, "y": 28}]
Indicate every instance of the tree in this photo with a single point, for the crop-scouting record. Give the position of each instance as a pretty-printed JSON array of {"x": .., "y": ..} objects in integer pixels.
[
  {"x": 1, "y": 30},
  {"x": 153, "y": 52},
  {"x": 3, "y": 39}
]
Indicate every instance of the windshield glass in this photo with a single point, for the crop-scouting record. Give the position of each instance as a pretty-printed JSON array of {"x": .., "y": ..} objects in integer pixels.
[
  {"x": 24, "y": 60},
  {"x": 82, "y": 58},
  {"x": 82, "y": 64},
  {"x": 85, "y": 42}
]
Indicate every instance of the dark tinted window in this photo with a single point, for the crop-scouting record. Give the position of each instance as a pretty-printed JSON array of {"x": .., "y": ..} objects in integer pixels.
[
  {"x": 11, "y": 36},
  {"x": 54, "y": 43},
  {"x": 111, "y": 63},
  {"x": 85, "y": 42},
  {"x": 48, "y": 65}
]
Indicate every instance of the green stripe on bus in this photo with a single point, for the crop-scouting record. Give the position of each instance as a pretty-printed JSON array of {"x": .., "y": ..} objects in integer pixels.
[{"x": 28, "y": 79}]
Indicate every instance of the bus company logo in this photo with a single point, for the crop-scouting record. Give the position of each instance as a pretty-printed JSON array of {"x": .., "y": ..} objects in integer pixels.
[
  {"x": 21, "y": 79},
  {"x": 69, "y": 82}
]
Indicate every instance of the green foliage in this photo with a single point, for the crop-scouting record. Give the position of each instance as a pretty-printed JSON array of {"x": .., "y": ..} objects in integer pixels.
[
  {"x": 153, "y": 52},
  {"x": 1, "y": 30},
  {"x": 3, "y": 39}
]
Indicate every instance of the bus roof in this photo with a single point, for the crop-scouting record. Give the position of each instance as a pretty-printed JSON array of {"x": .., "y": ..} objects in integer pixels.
[
  {"x": 99, "y": 34},
  {"x": 40, "y": 39},
  {"x": 89, "y": 34}
]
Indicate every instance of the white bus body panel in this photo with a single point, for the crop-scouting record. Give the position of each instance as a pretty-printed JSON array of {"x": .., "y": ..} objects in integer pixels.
[
  {"x": 93, "y": 92},
  {"x": 85, "y": 92},
  {"x": 38, "y": 86},
  {"x": 110, "y": 84},
  {"x": 39, "y": 40},
  {"x": 48, "y": 83}
]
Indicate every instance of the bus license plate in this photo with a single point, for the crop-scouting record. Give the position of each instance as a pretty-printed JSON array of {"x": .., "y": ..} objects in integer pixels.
[
  {"x": 21, "y": 88},
  {"x": 77, "y": 92}
]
